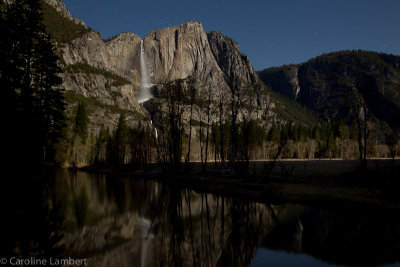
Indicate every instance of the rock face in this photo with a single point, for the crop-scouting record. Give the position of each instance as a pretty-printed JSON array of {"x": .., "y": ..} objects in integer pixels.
[
  {"x": 90, "y": 48},
  {"x": 180, "y": 51},
  {"x": 282, "y": 79},
  {"x": 124, "y": 51},
  {"x": 103, "y": 59},
  {"x": 119, "y": 55},
  {"x": 327, "y": 84},
  {"x": 240, "y": 74},
  {"x": 172, "y": 53},
  {"x": 235, "y": 65}
]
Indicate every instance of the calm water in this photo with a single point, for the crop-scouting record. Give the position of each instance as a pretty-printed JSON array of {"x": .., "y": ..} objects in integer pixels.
[{"x": 133, "y": 222}]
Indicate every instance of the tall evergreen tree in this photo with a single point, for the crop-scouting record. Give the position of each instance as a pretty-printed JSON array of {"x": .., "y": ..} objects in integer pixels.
[
  {"x": 191, "y": 84},
  {"x": 29, "y": 84},
  {"x": 121, "y": 141},
  {"x": 316, "y": 132},
  {"x": 273, "y": 133},
  {"x": 81, "y": 122}
]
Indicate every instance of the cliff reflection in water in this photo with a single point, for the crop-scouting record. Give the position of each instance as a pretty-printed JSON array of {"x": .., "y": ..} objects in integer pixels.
[
  {"x": 129, "y": 222},
  {"x": 136, "y": 222}
]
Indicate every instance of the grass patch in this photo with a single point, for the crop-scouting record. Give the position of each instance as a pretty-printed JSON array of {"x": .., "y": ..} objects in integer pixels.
[
  {"x": 87, "y": 69},
  {"x": 93, "y": 104},
  {"x": 61, "y": 29},
  {"x": 291, "y": 110}
]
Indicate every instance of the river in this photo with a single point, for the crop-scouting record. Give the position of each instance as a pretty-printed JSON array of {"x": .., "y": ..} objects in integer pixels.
[{"x": 124, "y": 221}]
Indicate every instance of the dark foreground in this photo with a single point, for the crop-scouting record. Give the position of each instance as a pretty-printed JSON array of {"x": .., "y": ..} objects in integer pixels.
[
  {"x": 318, "y": 183},
  {"x": 209, "y": 218},
  {"x": 310, "y": 182}
]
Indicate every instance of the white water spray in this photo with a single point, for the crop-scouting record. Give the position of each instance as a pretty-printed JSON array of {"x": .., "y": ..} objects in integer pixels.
[
  {"x": 155, "y": 129},
  {"x": 145, "y": 85},
  {"x": 144, "y": 226}
]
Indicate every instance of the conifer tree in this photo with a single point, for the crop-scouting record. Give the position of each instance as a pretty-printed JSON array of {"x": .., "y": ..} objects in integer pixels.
[
  {"x": 273, "y": 133},
  {"x": 29, "y": 84},
  {"x": 81, "y": 122},
  {"x": 121, "y": 141}
]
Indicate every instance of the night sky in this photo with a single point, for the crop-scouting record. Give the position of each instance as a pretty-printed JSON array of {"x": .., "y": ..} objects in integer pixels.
[{"x": 271, "y": 33}]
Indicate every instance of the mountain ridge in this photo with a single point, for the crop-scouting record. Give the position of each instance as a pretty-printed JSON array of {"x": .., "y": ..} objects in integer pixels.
[{"x": 324, "y": 83}]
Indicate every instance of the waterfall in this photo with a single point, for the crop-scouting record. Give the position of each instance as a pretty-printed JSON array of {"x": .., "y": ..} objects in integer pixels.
[
  {"x": 145, "y": 84},
  {"x": 155, "y": 129}
]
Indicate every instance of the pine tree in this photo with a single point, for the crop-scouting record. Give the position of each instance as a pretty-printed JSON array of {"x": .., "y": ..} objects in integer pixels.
[
  {"x": 100, "y": 155},
  {"x": 191, "y": 84},
  {"x": 121, "y": 141},
  {"x": 391, "y": 141},
  {"x": 273, "y": 133},
  {"x": 301, "y": 133},
  {"x": 291, "y": 131},
  {"x": 81, "y": 122},
  {"x": 316, "y": 133},
  {"x": 29, "y": 84},
  {"x": 331, "y": 144},
  {"x": 353, "y": 131},
  {"x": 49, "y": 96}
]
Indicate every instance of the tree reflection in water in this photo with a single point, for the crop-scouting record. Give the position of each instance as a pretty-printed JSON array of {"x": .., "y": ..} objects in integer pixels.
[
  {"x": 137, "y": 222},
  {"x": 205, "y": 230}
]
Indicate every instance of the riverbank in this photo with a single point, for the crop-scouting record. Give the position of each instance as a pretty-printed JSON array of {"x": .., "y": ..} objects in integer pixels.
[{"x": 310, "y": 182}]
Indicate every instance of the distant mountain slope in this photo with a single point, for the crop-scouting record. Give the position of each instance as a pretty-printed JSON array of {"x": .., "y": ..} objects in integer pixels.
[
  {"x": 326, "y": 84},
  {"x": 59, "y": 23}
]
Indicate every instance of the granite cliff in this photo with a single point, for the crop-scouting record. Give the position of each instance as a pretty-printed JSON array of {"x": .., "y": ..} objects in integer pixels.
[
  {"x": 179, "y": 51},
  {"x": 172, "y": 53},
  {"x": 235, "y": 65},
  {"x": 330, "y": 83}
]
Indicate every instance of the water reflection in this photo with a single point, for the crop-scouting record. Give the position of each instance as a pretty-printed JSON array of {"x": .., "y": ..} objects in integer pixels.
[
  {"x": 353, "y": 237},
  {"x": 136, "y": 222}
]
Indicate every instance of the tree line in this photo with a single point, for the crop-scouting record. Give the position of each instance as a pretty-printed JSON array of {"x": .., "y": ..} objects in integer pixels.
[
  {"x": 230, "y": 142},
  {"x": 180, "y": 138}
]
